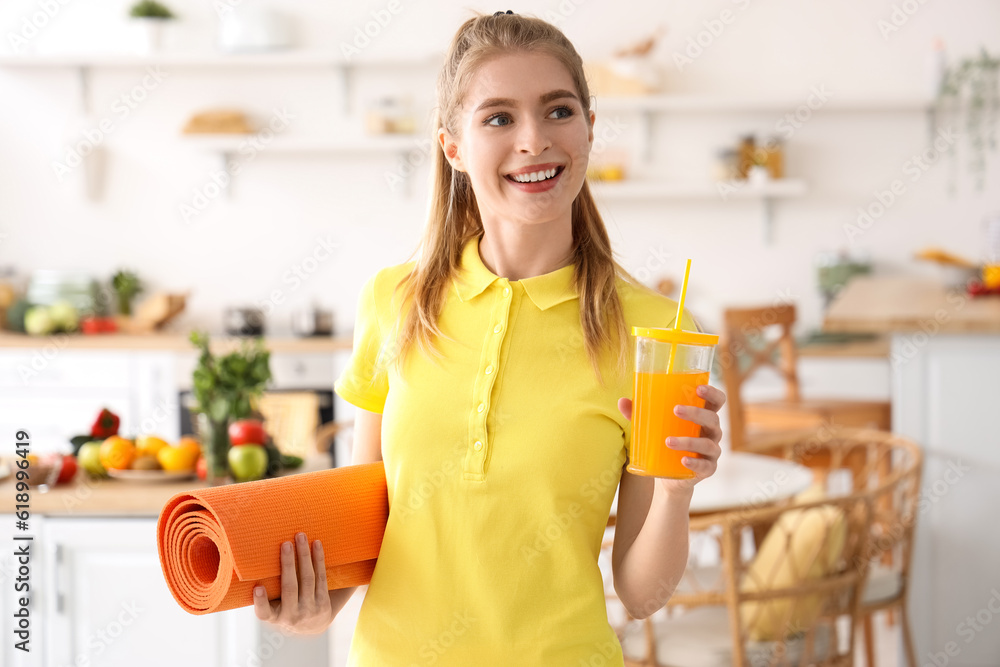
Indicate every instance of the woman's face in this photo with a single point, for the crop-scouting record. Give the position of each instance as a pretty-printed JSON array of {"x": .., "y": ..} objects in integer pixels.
[{"x": 524, "y": 139}]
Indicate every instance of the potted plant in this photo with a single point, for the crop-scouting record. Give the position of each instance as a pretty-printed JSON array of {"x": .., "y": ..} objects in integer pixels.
[
  {"x": 223, "y": 388},
  {"x": 149, "y": 17},
  {"x": 126, "y": 285},
  {"x": 972, "y": 88}
]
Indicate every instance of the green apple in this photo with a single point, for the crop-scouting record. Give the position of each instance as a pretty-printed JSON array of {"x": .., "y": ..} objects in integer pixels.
[
  {"x": 38, "y": 321},
  {"x": 248, "y": 462},
  {"x": 89, "y": 458}
]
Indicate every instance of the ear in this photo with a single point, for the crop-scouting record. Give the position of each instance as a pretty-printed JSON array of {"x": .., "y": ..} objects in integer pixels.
[
  {"x": 451, "y": 149},
  {"x": 590, "y": 132}
]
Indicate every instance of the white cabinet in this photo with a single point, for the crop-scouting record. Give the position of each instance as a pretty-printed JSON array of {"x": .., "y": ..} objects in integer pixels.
[
  {"x": 105, "y": 601},
  {"x": 55, "y": 393},
  {"x": 945, "y": 397},
  {"x": 49, "y": 391}
]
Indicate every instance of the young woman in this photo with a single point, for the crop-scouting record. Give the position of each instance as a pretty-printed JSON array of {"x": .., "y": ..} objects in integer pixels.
[{"x": 491, "y": 376}]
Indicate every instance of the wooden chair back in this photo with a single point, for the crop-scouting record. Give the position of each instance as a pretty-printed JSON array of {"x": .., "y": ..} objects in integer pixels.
[{"x": 745, "y": 350}]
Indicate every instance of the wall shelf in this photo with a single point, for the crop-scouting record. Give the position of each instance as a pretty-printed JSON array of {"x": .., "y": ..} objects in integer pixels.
[
  {"x": 228, "y": 147},
  {"x": 765, "y": 192},
  {"x": 384, "y": 144},
  {"x": 649, "y": 189},
  {"x": 295, "y": 58},
  {"x": 285, "y": 58},
  {"x": 649, "y": 106},
  {"x": 736, "y": 104}
]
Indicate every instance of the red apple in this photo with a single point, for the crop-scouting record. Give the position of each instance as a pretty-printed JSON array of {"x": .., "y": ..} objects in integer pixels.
[{"x": 247, "y": 432}]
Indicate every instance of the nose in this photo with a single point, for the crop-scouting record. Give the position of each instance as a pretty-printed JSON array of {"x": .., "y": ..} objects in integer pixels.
[{"x": 532, "y": 137}]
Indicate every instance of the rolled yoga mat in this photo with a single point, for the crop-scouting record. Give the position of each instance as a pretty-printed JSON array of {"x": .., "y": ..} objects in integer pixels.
[{"x": 216, "y": 544}]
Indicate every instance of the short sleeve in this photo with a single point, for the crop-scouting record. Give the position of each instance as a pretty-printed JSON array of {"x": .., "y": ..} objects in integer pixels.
[
  {"x": 364, "y": 383},
  {"x": 690, "y": 323}
]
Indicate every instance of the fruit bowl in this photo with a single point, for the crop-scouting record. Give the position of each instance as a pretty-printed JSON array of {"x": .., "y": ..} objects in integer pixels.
[{"x": 151, "y": 476}]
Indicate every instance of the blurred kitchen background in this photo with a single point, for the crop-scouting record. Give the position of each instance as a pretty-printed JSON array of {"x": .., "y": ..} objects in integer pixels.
[{"x": 249, "y": 165}]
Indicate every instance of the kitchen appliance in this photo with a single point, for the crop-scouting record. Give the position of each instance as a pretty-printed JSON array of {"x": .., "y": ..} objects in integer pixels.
[
  {"x": 244, "y": 321},
  {"x": 312, "y": 321}
]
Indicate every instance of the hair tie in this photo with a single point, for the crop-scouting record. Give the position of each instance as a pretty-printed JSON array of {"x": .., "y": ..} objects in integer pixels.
[{"x": 500, "y": 13}]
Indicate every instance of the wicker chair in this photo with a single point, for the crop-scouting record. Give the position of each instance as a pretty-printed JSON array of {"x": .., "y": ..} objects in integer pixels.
[
  {"x": 892, "y": 468},
  {"x": 784, "y": 613}
]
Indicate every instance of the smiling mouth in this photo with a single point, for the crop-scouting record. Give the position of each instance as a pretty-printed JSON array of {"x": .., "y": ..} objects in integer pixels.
[{"x": 548, "y": 175}]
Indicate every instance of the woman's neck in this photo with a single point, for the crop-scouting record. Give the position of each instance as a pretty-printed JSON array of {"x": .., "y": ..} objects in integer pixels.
[{"x": 527, "y": 251}]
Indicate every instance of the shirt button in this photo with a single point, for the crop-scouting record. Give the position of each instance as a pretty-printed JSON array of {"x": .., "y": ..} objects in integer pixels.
[
  {"x": 489, "y": 369},
  {"x": 506, "y": 291},
  {"x": 481, "y": 407},
  {"x": 478, "y": 445},
  {"x": 497, "y": 328}
]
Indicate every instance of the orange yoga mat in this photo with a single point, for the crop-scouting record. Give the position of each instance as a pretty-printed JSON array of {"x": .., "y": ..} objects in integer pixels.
[{"x": 216, "y": 544}]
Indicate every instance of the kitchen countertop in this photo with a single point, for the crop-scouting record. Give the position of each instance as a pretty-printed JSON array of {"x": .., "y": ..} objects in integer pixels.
[
  {"x": 114, "y": 497},
  {"x": 877, "y": 348},
  {"x": 902, "y": 304},
  {"x": 169, "y": 341}
]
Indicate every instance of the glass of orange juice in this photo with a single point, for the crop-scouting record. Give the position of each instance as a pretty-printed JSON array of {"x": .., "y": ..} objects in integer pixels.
[{"x": 662, "y": 382}]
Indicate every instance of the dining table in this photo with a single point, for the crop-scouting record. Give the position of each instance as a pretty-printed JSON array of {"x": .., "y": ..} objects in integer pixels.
[{"x": 745, "y": 481}]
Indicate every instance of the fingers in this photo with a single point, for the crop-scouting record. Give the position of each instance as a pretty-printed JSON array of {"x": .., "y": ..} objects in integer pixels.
[
  {"x": 701, "y": 446},
  {"x": 307, "y": 577},
  {"x": 289, "y": 583},
  {"x": 701, "y": 467},
  {"x": 625, "y": 407},
  {"x": 319, "y": 565},
  {"x": 714, "y": 398},
  {"x": 707, "y": 419},
  {"x": 707, "y": 451},
  {"x": 264, "y": 609}
]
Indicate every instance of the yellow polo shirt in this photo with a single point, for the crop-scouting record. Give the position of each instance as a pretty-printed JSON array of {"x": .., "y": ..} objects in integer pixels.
[{"x": 502, "y": 458}]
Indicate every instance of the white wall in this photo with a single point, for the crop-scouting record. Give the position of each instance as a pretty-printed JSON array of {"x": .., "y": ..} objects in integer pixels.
[{"x": 238, "y": 251}]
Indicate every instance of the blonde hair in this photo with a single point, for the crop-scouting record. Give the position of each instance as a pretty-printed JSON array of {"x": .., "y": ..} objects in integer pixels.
[{"x": 453, "y": 216}]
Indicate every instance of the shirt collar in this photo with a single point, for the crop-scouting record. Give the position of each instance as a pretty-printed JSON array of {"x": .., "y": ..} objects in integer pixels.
[{"x": 545, "y": 291}]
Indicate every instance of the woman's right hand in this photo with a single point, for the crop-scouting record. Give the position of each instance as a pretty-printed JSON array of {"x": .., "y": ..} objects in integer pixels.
[{"x": 304, "y": 607}]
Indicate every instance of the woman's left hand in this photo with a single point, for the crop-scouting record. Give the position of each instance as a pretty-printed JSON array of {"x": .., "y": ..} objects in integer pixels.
[{"x": 706, "y": 446}]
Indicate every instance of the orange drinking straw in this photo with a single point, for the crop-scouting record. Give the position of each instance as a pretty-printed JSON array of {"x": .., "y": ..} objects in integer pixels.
[{"x": 677, "y": 320}]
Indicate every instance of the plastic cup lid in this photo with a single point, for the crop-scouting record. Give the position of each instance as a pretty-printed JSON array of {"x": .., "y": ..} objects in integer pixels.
[{"x": 676, "y": 336}]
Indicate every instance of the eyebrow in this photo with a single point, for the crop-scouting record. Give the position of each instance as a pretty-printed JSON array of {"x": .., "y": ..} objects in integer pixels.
[{"x": 507, "y": 102}]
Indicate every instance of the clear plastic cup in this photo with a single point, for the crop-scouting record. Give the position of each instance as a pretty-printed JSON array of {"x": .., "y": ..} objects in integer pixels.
[{"x": 656, "y": 393}]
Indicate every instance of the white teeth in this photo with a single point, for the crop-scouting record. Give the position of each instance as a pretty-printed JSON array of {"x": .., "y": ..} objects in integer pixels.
[{"x": 535, "y": 176}]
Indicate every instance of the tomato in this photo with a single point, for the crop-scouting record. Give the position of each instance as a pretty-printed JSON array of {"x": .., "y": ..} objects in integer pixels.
[
  {"x": 247, "y": 432},
  {"x": 98, "y": 325},
  {"x": 90, "y": 325}
]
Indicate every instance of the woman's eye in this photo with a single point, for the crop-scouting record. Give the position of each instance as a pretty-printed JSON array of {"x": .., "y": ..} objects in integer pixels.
[
  {"x": 565, "y": 112},
  {"x": 498, "y": 117}
]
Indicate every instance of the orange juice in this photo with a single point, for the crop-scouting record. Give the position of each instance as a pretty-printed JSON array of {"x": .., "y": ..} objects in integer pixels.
[{"x": 653, "y": 421}]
